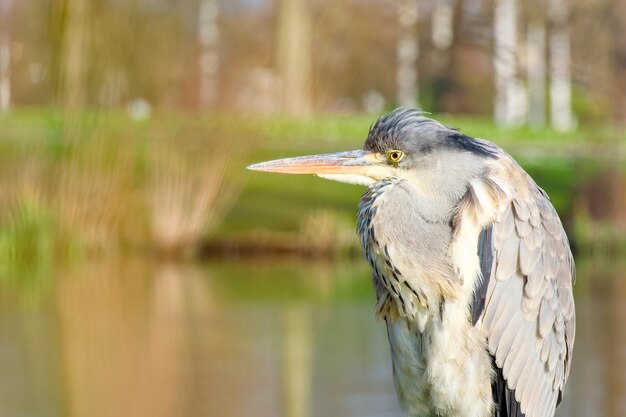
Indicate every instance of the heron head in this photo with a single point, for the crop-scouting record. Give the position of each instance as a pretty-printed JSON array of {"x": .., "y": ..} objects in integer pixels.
[{"x": 402, "y": 144}]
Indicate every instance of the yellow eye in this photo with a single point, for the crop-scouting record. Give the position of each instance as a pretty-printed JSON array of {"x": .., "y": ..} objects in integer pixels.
[{"x": 395, "y": 156}]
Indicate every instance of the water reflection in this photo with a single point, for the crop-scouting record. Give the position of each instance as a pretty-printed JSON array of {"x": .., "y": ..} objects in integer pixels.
[
  {"x": 297, "y": 362},
  {"x": 598, "y": 380},
  {"x": 272, "y": 339}
]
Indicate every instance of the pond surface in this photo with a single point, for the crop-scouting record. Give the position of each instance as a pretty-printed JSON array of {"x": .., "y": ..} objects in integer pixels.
[{"x": 233, "y": 339}]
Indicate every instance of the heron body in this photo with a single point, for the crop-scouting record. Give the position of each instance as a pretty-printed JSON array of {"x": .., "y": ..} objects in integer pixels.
[
  {"x": 421, "y": 298},
  {"x": 470, "y": 264}
]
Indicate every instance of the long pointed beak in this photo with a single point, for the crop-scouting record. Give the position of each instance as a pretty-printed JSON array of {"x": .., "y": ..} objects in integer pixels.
[{"x": 350, "y": 162}]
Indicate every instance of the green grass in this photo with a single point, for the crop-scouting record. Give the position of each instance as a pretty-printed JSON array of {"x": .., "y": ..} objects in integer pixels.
[{"x": 103, "y": 166}]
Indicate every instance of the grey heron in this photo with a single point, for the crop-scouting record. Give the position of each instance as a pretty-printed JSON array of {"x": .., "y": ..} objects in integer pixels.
[{"x": 471, "y": 268}]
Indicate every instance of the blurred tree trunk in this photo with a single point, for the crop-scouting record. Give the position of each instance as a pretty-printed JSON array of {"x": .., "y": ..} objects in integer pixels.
[
  {"x": 447, "y": 73},
  {"x": 442, "y": 24},
  {"x": 208, "y": 37},
  {"x": 74, "y": 55},
  {"x": 510, "y": 96},
  {"x": 294, "y": 55},
  {"x": 408, "y": 51},
  {"x": 5, "y": 72},
  {"x": 618, "y": 29},
  {"x": 5, "y": 54},
  {"x": 536, "y": 49},
  {"x": 560, "y": 72}
]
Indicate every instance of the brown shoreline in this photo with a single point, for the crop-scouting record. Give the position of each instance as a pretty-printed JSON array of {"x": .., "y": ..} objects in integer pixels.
[{"x": 274, "y": 249}]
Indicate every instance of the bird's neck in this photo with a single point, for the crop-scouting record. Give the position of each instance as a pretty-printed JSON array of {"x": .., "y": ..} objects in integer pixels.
[{"x": 437, "y": 195}]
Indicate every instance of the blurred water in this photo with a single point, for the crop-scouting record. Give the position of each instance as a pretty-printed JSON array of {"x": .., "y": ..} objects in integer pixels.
[{"x": 231, "y": 339}]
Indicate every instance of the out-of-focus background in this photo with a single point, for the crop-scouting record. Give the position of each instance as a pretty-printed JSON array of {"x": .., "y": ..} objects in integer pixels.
[{"x": 144, "y": 272}]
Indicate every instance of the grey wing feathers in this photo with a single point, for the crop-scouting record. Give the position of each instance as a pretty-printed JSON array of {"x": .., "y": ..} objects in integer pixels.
[{"x": 529, "y": 308}]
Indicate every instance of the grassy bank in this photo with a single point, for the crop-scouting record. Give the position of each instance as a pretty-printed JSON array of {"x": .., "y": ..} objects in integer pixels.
[
  {"x": 175, "y": 184},
  {"x": 99, "y": 183}
]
